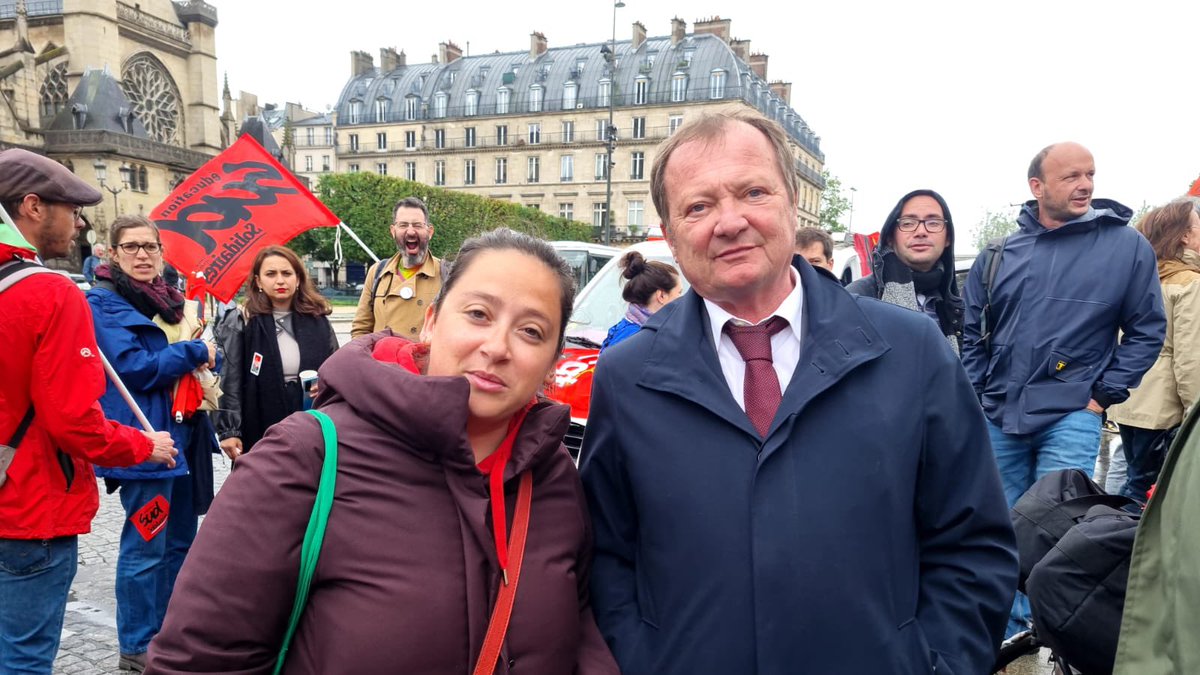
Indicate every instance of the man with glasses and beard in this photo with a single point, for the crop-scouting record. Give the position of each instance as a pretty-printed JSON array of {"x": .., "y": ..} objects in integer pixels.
[
  {"x": 401, "y": 288},
  {"x": 914, "y": 264}
]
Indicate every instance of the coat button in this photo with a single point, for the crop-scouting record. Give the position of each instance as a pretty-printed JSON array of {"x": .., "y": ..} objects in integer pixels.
[
  {"x": 420, "y": 302},
  {"x": 412, "y": 330},
  {"x": 512, "y": 663}
]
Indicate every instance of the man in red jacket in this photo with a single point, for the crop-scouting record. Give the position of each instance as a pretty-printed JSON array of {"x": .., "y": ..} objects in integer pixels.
[{"x": 51, "y": 426}]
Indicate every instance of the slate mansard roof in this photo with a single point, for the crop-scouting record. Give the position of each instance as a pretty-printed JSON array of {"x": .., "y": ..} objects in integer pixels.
[{"x": 656, "y": 61}]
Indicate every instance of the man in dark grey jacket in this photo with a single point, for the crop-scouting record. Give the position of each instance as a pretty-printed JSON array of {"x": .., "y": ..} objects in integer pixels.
[
  {"x": 1045, "y": 360},
  {"x": 914, "y": 264}
]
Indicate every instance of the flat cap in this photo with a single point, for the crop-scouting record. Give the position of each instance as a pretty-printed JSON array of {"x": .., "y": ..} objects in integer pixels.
[{"x": 23, "y": 172}]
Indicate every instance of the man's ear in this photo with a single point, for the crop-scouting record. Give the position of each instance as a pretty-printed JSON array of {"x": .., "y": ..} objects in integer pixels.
[{"x": 1036, "y": 187}]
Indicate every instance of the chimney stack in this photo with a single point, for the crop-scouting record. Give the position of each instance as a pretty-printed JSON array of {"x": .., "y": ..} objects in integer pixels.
[
  {"x": 741, "y": 48},
  {"x": 361, "y": 63},
  {"x": 448, "y": 52},
  {"x": 389, "y": 60},
  {"x": 783, "y": 90},
  {"x": 758, "y": 63},
  {"x": 639, "y": 35},
  {"x": 678, "y": 30},
  {"x": 714, "y": 26},
  {"x": 537, "y": 44}
]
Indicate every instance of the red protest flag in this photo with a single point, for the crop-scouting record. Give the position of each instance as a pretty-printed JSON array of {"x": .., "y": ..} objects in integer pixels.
[
  {"x": 239, "y": 202},
  {"x": 864, "y": 245},
  {"x": 1195, "y": 191}
]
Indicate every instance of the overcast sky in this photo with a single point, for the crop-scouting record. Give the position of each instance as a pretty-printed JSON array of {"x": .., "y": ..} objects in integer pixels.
[{"x": 953, "y": 96}]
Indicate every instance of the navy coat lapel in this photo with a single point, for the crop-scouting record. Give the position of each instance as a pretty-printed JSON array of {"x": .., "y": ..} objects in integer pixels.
[{"x": 836, "y": 338}]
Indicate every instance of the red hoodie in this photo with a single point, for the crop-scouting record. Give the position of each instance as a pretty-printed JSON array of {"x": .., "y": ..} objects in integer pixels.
[{"x": 50, "y": 360}]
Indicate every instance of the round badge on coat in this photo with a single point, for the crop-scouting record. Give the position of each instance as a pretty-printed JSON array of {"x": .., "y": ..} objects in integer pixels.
[{"x": 407, "y": 292}]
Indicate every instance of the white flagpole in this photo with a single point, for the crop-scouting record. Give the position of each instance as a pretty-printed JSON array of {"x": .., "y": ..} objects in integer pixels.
[
  {"x": 358, "y": 241},
  {"x": 116, "y": 380}
]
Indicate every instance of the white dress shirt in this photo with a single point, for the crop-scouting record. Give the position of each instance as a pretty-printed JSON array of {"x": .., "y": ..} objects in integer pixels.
[{"x": 785, "y": 345}]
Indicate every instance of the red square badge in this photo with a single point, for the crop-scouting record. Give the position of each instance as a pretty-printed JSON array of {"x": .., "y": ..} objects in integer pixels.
[{"x": 151, "y": 518}]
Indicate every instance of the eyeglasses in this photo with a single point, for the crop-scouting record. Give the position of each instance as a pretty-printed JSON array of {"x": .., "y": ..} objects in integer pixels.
[
  {"x": 400, "y": 225},
  {"x": 130, "y": 248},
  {"x": 932, "y": 225}
]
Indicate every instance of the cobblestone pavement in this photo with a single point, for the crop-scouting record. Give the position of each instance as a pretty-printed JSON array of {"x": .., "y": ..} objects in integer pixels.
[{"x": 89, "y": 638}]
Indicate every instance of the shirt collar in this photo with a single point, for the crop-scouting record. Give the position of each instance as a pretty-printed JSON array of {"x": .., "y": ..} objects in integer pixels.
[{"x": 790, "y": 310}]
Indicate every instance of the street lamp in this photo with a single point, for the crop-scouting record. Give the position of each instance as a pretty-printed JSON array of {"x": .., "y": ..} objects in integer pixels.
[
  {"x": 610, "y": 132},
  {"x": 853, "y": 191},
  {"x": 102, "y": 176}
]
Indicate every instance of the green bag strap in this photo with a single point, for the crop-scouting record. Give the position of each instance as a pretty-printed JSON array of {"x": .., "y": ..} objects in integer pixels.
[{"x": 315, "y": 534}]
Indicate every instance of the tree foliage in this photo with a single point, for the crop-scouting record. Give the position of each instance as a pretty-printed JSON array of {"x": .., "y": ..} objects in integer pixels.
[
  {"x": 994, "y": 224},
  {"x": 833, "y": 204},
  {"x": 364, "y": 201}
]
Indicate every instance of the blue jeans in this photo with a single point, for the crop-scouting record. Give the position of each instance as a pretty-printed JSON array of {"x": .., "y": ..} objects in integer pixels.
[
  {"x": 1145, "y": 450},
  {"x": 1070, "y": 443},
  {"x": 146, "y": 570},
  {"x": 35, "y": 577}
]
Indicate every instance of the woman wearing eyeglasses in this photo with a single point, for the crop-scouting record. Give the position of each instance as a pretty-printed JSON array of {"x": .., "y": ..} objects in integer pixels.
[
  {"x": 282, "y": 332},
  {"x": 914, "y": 264},
  {"x": 142, "y": 329}
]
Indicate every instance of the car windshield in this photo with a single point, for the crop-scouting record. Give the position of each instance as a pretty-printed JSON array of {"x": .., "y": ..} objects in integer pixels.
[{"x": 599, "y": 306}]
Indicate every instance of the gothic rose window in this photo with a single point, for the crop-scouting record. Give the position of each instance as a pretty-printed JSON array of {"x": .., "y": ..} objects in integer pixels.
[{"x": 154, "y": 96}]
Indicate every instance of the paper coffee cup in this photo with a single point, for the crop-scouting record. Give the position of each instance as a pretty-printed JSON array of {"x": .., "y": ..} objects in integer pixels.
[{"x": 307, "y": 377}]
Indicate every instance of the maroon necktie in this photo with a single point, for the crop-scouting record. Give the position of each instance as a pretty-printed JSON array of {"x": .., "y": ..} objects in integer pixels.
[{"x": 761, "y": 389}]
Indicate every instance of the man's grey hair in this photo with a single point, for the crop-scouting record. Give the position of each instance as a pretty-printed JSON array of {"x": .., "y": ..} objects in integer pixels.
[{"x": 412, "y": 203}]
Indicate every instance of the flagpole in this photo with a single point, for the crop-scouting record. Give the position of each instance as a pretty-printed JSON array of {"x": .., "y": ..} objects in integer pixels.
[
  {"x": 116, "y": 380},
  {"x": 358, "y": 241}
]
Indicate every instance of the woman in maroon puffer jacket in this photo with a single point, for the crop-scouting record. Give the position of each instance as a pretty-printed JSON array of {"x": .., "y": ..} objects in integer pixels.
[{"x": 411, "y": 565}]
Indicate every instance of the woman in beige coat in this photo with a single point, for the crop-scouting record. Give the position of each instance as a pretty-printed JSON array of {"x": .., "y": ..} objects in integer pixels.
[{"x": 1151, "y": 416}]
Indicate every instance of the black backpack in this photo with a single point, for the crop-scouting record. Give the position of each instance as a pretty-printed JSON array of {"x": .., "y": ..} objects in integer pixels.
[
  {"x": 1077, "y": 591},
  {"x": 1051, "y": 507}
]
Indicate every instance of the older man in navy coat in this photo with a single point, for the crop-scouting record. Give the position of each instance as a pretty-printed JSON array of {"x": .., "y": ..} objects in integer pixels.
[{"x": 830, "y": 506}]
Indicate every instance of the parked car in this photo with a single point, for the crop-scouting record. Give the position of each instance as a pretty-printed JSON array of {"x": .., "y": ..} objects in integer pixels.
[
  {"x": 585, "y": 258},
  {"x": 597, "y": 307}
]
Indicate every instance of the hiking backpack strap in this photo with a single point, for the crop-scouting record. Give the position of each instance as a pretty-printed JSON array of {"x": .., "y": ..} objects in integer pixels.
[{"x": 993, "y": 254}]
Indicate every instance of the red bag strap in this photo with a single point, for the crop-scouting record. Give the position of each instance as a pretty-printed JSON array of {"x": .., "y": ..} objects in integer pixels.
[{"x": 498, "y": 625}]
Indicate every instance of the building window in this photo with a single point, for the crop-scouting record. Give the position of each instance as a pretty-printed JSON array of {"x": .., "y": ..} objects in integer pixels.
[
  {"x": 502, "y": 96},
  {"x": 601, "y": 125},
  {"x": 354, "y": 168},
  {"x": 355, "y": 114},
  {"x": 566, "y": 210},
  {"x": 601, "y": 166},
  {"x": 410, "y": 171},
  {"x": 328, "y": 135},
  {"x": 570, "y": 91},
  {"x": 535, "y": 169},
  {"x": 716, "y": 84},
  {"x": 469, "y": 172},
  {"x": 639, "y": 127},
  {"x": 568, "y": 132},
  {"x": 641, "y": 89},
  {"x": 411, "y": 105},
  {"x": 308, "y": 163},
  {"x": 381, "y": 140},
  {"x": 673, "y": 123},
  {"x": 309, "y": 134},
  {"x": 325, "y": 162},
  {"x": 439, "y": 104},
  {"x": 536, "y": 94},
  {"x": 439, "y": 138},
  {"x": 567, "y": 173},
  {"x": 637, "y": 165},
  {"x": 535, "y": 133},
  {"x": 439, "y": 172},
  {"x": 501, "y": 134},
  {"x": 381, "y": 168},
  {"x": 381, "y": 106},
  {"x": 535, "y": 207},
  {"x": 678, "y": 87},
  {"x": 410, "y": 139},
  {"x": 598, "y": 214},
  {"x": 501, "y": 171},
  {"x": 353, "y": 142},
  {"x": 637, "y": 211},
  {"x": 605, "y": 93},
  {"x": 472, "y": 107},
  {"x": 469, "y": 137}
]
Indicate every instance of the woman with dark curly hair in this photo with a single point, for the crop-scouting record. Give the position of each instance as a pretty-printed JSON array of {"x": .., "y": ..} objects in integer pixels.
[
  {"x": 282, "y": 331},
  {"x": 649, "y": 286}
]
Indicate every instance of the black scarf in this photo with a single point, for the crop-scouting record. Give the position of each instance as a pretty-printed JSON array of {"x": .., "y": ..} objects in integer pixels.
[
  {"x": 928, "y": 283},
  {"x": 148, "y": 298},
  {"x": 265, "y": 400}
]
